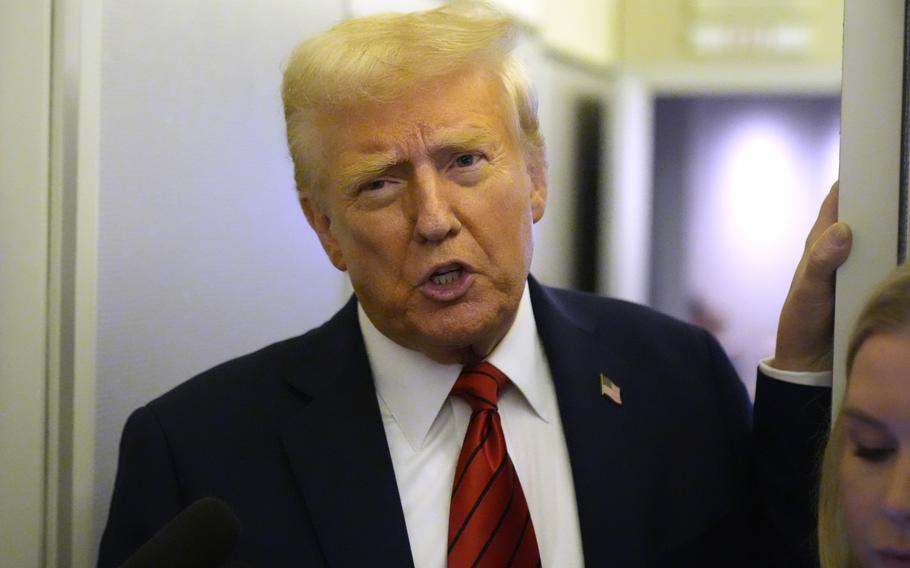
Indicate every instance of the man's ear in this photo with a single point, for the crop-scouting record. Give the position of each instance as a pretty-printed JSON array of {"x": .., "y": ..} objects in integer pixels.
[
  {"x": 322, "y": 224},
  {"x": 537, "y": 171}
]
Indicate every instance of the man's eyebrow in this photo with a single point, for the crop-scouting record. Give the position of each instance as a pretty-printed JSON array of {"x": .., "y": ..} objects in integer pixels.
[
  {"x": 370, "y": 165},
  {"x": 863, "y": 417},
  {"x": 470, "y": 137}
]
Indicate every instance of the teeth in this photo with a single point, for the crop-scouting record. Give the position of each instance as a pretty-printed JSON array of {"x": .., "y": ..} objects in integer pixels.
[{"x": 446, "y": 277}]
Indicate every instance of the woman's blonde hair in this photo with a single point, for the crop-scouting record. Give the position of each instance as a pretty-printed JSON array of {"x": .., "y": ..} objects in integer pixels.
[
  {"x": 887, "y": 310},
  {"x": 383, "y": 57}
]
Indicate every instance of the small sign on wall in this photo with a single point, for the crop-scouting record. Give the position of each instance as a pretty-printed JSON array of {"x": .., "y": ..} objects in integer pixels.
[{"x": 751, "y": 27}]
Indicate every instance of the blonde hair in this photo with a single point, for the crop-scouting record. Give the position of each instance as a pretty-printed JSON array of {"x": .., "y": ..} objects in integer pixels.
[
  {"x": 381, "y": 58},
  {"x": 887, "y": 310}
]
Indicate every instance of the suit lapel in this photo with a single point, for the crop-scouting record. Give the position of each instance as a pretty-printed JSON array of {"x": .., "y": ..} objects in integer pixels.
[
  {"x": 607, "y": 443},
  {"x": 338, "y": 452}
]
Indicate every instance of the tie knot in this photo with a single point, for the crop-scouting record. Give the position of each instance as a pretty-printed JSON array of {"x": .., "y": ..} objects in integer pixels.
[{"x": 480, "y": 384}]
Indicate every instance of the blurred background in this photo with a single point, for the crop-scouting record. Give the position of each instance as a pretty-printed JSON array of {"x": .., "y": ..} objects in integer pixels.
[{"x": 690, "y": 143}]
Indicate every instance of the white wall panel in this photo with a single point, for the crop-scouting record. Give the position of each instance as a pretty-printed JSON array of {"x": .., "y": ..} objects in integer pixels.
[
  {"x": 203, "y": 252},
  {"x": 870, "y": 161},
  {"x": 25, "y": 56}
]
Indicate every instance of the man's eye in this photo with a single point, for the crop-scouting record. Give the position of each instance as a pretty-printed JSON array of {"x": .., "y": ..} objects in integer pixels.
[
  {"x": 467, "y": 160},
  {"x": 871, "y": 454},
  {"x": 374, "y": 185}
]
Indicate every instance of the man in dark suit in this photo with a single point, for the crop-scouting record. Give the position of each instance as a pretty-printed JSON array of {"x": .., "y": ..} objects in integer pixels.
[{"x": 624, "y": 436}]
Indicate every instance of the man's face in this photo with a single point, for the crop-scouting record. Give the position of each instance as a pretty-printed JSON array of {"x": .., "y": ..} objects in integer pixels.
[{"x": 428, "y": 203}]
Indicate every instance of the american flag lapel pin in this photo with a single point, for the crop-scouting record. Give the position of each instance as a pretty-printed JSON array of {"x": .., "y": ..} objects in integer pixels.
[{"x": 610, "y": 389}]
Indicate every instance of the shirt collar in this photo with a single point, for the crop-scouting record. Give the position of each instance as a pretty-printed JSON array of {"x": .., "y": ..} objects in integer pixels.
[{"x": 414, "y": 387}]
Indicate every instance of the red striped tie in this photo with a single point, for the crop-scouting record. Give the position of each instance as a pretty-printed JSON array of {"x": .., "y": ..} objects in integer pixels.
[{"x": 489, "y": 522}]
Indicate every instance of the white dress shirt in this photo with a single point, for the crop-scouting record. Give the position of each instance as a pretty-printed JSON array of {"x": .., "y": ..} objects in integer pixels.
[
  {"x": 425, "y": 429},
  {"x": 806, "y": 378}
]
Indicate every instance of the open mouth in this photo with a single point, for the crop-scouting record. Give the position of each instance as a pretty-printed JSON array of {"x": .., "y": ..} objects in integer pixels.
[
  {"x": 447, "y": 275},
  {"x": 448, "y": 282}
]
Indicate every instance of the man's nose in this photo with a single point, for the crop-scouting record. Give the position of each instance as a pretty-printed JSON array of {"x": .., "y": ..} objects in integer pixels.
[
  {"x": 434, "y": 218},
  {"x": 897, "y": 498}
]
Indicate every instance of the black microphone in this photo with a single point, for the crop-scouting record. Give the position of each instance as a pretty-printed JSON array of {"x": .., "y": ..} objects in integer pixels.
[{"x": 201, "y": 536}]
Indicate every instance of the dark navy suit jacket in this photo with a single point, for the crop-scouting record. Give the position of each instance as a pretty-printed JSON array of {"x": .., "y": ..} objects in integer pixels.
[{"x": 290, "y": 437}]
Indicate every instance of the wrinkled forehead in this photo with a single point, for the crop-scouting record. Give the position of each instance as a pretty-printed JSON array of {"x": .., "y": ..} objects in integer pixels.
[
  {"x": 454, "y": 109},
  {"x": 443, "y": 100},
  {"x": 424, "y": 95}
]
